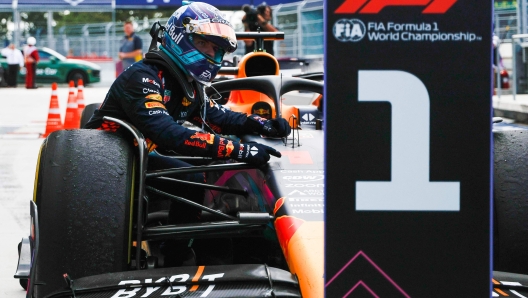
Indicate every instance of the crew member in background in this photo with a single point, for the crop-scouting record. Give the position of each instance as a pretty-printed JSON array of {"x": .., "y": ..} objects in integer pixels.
[
  {"x": 15, "y": 60},
  {"x": 261, "y": 17},
  {"x": 31, "y": 58},
  {"x": 131, "y": 49}
]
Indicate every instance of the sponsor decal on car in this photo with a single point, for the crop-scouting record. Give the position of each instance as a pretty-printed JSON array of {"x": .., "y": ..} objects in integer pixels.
[
  {"x": 305, "y": 199},
  {"x": 303, "y": 171},
  {"x": 304, "y": 178},
  {"x": 308, "y": 118},
  {"x": 307, "y": 192},
  {"x": 152, "y": 105},
  {"x": 155, "y": 97},
  {"x": 169, "y": 290},
  {"x": 301, "y": 185}
]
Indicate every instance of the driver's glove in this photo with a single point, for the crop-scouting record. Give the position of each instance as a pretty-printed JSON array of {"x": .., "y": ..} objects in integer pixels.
[
  {"x": 277, "y": 127},
  {"x": 253, "y": 153}
]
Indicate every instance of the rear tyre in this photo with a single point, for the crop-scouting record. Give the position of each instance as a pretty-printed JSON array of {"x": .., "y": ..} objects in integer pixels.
[
  {"x": 83, "y": 194},
  {"x": 88, "y": 112},
  {"x": 510, "y": 193}
]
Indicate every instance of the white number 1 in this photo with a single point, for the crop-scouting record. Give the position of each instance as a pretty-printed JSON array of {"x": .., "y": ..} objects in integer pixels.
[{"x": 409, "y": 188}]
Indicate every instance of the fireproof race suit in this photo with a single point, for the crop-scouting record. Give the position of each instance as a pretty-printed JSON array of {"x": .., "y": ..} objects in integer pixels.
[
  {"x": 157, "y": 99},
  {"x": 149, "y": 98}
]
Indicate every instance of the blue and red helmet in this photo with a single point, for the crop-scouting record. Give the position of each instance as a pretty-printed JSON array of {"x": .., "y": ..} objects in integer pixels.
[{"x": 201, "y": 19}]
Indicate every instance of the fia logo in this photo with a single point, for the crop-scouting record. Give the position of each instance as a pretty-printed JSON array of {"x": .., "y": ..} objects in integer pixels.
[{"x": 349, "y": 30}]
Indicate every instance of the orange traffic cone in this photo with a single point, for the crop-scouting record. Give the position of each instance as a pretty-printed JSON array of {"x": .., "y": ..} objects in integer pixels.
[
  {"x": 80, "y": 97},
  {"x": 54, "y": 118},
  {"x": 72, "y": 119}
]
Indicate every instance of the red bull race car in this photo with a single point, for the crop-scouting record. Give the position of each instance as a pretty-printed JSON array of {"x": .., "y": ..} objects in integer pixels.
[{"x": 96, "y": 229}]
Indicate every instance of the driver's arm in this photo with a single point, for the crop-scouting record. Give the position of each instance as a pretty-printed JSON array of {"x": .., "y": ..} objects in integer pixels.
[
  {"x": 143, "y": 104},
  {"x": 227, "y": 122}
]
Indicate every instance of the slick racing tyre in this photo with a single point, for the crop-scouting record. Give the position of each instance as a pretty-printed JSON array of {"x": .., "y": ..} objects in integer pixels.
[
  {"x": 510, "y": 201},
  {"x": 88, "y": 112},
  {"x": 83, "y": 193}
]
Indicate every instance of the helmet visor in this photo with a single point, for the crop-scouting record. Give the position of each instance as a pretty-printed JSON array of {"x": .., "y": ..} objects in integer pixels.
[{"x": 222, "y": 34}]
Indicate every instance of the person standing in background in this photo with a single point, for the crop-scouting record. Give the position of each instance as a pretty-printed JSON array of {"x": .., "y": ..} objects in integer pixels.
[
  {"x": 31, "y": 58},
  {"x": 131, "y": 47},
  {"x": 255, "y": 18},
  {"x": 15, "y": 60}
]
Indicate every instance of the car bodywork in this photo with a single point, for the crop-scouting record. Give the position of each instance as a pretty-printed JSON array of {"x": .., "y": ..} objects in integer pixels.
[{"x": 54, "y": 67}]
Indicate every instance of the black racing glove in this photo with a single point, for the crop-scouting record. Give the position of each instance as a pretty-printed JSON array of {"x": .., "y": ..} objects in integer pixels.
[
  {"x": 253, "y": 153},
  {"x": 277, "y": 127}
]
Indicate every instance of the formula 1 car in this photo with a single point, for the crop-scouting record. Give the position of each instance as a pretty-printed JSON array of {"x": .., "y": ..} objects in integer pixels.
[{"x": 98, "y": 222}]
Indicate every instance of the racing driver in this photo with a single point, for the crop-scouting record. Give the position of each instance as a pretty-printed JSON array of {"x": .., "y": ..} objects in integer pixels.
[{"x": 165, "y": 89}]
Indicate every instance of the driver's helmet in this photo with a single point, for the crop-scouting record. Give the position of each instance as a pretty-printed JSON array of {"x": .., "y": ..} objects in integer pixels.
[{"x": 204, "y": 20}]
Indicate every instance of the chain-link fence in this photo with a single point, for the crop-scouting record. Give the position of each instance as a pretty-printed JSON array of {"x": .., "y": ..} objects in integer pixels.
[{"x": 301, "y": 22}]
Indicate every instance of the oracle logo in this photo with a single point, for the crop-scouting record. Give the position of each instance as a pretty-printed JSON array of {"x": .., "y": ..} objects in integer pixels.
[{"x": 375, "y": 6}]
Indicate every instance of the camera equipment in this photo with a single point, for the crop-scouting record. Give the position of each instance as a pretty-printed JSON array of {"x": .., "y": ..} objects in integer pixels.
[{"x": 251, "y": 16}]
